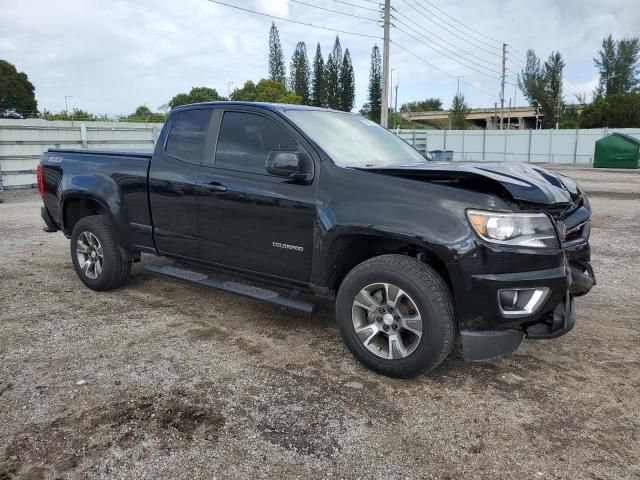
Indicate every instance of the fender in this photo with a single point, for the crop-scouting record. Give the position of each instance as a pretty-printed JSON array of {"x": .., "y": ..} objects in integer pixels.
[
  {"x": 103, "y": 191},
  {"x": 427, "y": 216}
]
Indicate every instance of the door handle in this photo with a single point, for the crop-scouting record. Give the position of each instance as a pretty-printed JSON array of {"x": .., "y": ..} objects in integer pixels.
[{"x": 214, "y": 187}]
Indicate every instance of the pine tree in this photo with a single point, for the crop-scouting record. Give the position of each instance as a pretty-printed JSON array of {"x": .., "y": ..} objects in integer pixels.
[
  {"x": 606, "y": 65},
  {"x": 542, "y": 86},
  {"x": 347, "y": 84},
  {"x": 277, "y": 69},
  {"x": 334, "y": 64},
  {"x": 553, "y": 68},
  {"x": 318, "y": 96},
  {"x": 459, "y": 112},
  {"x": 331, "y": 76},
  {"x": 617, "y": 63},
  {"x": 300, "y": 73},
  {"x": 375, "y": 85}
]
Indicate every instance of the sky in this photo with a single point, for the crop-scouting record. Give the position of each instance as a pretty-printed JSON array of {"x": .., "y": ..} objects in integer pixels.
[{"x": 112, "y": 56}]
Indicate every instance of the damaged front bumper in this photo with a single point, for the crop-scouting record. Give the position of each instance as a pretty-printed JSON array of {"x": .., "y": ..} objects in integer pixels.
[{"x": 500, "y": 332}]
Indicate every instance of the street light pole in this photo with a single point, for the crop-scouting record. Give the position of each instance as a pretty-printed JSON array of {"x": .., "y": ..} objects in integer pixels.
[
  {"x": 391, "y": 88},
  {"x": 458, "y": 90},
  {"x": 66, "y": 105},
  {"x": 395, "y": 107},
  {"x": 229, "y": 89}
]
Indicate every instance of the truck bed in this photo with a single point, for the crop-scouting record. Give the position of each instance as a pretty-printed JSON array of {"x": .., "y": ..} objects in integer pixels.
[{"x": 113, "y": 182}]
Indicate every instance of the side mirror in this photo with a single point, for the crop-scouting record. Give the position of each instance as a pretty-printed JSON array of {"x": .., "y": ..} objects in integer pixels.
[{"x": 287, "y": 164}]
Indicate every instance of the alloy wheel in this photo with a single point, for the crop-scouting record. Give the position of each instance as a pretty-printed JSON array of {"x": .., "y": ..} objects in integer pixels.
[
  {"x": 90, "y": 255},
  {"x": 387, "y": 321}
]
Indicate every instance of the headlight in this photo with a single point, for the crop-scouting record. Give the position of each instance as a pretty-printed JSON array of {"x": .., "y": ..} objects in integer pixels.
[{"x": 517, "y": 229}]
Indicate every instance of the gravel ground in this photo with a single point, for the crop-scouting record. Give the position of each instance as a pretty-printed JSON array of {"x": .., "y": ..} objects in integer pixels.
[{"x": 162, "y": 379}]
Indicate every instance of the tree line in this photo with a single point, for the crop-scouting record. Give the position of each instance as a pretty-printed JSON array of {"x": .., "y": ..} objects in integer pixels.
[
  {"x": 616, "y": 101},
  {"x": 331, "y": 83}
]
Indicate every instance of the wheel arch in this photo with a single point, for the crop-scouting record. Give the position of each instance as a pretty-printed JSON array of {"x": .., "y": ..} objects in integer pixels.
[
  {"x": 75, "y": 207},
  {"x": 350, "y": 249}
]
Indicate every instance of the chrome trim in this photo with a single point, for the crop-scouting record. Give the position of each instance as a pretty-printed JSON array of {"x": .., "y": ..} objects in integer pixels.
[
  {"x": 577, "y": 227},
  {"x": 533, "y": 305}
]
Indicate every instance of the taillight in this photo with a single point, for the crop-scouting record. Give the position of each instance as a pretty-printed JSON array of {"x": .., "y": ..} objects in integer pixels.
[{"x": 40, "y": 178}]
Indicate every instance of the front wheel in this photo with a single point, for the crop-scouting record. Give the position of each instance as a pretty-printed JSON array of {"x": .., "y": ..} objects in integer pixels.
[
  {"x": 96, "y": 256},
  {"x": 396, "y": 316}
]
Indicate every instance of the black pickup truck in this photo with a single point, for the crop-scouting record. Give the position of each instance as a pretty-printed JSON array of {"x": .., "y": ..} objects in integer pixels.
[{"x": 416, "y": 254}]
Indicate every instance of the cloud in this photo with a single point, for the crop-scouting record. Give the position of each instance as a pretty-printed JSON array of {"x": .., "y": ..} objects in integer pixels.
[
  {"x": 113, "y": 56},
  {"x": 279, "y": 8}
]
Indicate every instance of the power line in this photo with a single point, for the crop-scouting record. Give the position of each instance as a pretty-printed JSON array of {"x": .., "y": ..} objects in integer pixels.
[
  {"x": 335, "y": 11},
  {"x": 575, "y": 91},
  {"x": 442, "y": 70},
  {"x": 519, "y": 66},
  {"x": 458, "y": 61},
  {"x": 475, "y": 39},
  {"x": 446, "y": 30},
  {"x": 518, "y": 51},
  {"x": 458, "y": 21},
  {"x": 475, "y": 45},
  {"x": 294, "y": 21},
  {"x": 377, "y": 10}
]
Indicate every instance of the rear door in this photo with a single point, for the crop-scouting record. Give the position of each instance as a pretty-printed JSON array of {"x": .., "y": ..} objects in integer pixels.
[
  {"x": 172, "y": 183},
  {"x": 249, "y": 219}
]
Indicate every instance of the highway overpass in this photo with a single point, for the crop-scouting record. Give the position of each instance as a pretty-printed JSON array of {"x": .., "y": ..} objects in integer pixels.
[{"x": 489, "y": 118}]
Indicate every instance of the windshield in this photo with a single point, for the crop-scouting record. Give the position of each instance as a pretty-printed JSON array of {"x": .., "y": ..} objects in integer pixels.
[{"x": 353, "y": 141}]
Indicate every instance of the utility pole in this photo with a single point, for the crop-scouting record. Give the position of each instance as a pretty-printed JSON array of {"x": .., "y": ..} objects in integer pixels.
[
  {"x": 229, "y": 89},
  {"x": 384, "y": 114},
  {"x": 502, "y": 81},
  {"x": 66, "y": 105},
  {"x": 458, "y": 90}
]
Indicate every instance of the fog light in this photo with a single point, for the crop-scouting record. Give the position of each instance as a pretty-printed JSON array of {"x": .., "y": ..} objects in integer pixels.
[{"x": 519, "y": 302}]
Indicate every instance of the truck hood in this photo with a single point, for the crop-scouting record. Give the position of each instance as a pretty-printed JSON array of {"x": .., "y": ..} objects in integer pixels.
[{"x": 521, "y": 181}]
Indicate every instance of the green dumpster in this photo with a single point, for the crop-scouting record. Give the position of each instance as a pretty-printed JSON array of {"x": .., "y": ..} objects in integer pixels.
[{"x": 617, "y": 151}]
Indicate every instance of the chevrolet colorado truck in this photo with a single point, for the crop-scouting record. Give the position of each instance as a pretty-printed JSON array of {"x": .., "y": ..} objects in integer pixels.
[{"x": 418, "y": 255}]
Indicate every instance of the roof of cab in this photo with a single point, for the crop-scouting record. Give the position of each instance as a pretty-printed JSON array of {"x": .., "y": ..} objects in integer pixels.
[{"x": 280, "y": 107}]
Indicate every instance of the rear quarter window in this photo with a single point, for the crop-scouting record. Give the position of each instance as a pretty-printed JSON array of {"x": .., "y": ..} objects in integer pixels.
[{"x": 187, "y": 136}]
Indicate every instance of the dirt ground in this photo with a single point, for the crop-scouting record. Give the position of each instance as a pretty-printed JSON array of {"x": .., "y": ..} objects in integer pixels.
[{"x": 162, "y": 379}]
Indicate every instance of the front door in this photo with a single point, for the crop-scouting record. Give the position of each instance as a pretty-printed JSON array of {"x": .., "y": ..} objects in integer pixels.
[{"x": 249, "y": 219}]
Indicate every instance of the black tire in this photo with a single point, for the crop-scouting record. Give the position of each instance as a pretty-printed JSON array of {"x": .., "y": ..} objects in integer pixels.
[
  {"x": 430, "y": 295},
  {"x": 115, "y": 268}
]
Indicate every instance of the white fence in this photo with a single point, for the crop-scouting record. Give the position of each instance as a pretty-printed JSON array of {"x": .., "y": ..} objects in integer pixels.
[
  {"x": 23, "y": 141},
  {"x": 538, "y": 146}
]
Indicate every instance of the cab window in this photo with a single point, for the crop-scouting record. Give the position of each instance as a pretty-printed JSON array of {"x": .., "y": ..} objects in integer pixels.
[{"x": 246, "y": 140}]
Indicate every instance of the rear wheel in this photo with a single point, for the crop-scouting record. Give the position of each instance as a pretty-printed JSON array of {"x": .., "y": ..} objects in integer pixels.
[
  {"x": 395, "y": 314},
  {"x": 96, "y": 256}
]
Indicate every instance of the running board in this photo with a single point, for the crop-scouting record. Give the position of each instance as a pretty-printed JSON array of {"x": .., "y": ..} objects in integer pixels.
[{"x": 234, "y": 287}]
